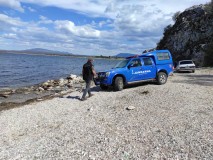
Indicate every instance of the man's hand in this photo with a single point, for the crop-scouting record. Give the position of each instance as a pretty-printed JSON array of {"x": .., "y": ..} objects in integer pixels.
[{"x": 94, "y": 73}]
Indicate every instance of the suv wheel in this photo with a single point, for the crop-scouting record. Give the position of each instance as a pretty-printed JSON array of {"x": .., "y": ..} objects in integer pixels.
[
  {"x": 103, "y": 87},
  {"x": 161, "y": 78},
  {"x": 118, "y": 84}
]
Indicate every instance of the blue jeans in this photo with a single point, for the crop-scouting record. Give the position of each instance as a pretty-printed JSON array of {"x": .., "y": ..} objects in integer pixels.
[{"x": 87, "y": 89}]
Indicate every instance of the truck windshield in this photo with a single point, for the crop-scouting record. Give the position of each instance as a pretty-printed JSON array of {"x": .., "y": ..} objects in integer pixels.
[{"x": 122, "y": 64}]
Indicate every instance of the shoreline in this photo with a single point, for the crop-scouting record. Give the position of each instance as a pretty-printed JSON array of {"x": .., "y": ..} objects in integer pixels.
[
  {"x": 15, "y": 97},
  {"x": 65, "y": 55}
]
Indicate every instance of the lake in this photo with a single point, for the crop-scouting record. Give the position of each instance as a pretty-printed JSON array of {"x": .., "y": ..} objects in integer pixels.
[{"x": 20, "y": 70}]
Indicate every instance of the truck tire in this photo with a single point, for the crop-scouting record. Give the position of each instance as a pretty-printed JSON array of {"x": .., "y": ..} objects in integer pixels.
[
  {"x": 103, "y": 87},
  {"x": 118, "y": 84},
  {"x": 161, "y": 78}
]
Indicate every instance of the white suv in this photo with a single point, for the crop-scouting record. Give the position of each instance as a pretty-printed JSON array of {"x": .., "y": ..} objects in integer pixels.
[{"x": 185, "y": 65}]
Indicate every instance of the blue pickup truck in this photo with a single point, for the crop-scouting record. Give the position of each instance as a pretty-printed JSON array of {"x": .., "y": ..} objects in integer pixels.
[{"x": 152, "y": 66}]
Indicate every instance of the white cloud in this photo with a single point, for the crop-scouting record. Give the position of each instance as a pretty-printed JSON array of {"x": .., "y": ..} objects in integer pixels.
[
  {"x": 44, "y": 20},
  {"x": 13, "y": 4},
  {"x": 91, "y": 7},
  {"x": 31, "y": 9},
  {"x": 4, "y": 19},
  {"x": 10, "y": 36},
  {"x": 82, "y": 31}
]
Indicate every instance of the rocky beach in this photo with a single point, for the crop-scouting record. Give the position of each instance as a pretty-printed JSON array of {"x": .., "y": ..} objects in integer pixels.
[
  {"x": 10, "y": 98},
  {"x": 144, "y": 121}
]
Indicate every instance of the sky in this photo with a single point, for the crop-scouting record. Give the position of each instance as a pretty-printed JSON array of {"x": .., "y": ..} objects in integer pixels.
[{"x": 87, "y": 27}]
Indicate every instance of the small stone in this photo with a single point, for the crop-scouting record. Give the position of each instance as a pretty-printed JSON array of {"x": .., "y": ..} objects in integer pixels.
[
  {"x": 72, "y": 76},
  {"x": 90, "y": 109},
  {"x": 69, "y": 85},
  {"x": 41, "y": 89},
  {"x": 45, "y": 83},
  {"x": 4, "y": 95},
  {"x": 50, "y": 88},
  {"x": 130, "y": 108}
]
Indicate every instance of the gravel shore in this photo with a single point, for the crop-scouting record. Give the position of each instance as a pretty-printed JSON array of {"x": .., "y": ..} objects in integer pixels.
[{"x": 171, "y": 121}]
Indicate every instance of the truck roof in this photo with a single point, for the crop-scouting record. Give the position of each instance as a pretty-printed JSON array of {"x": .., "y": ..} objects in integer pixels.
[{"x": 159, "y": 56}]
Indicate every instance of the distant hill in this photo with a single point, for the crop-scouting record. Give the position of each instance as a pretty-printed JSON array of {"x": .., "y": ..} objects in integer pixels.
[
  {"x": 44, "y": 51},
  {"x": 123, "y": 55},
  {"x": 39, "y": 51}
]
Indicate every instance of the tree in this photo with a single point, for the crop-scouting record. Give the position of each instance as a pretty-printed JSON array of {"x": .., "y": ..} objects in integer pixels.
[{"x": 208, "y": 57}]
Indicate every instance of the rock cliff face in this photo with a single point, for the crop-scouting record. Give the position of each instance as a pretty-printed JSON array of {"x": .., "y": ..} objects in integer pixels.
[{"x": 190, "y": 35}]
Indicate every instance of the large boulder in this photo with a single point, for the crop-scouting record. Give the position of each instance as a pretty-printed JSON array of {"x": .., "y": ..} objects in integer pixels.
[{"x": 190, "y": 34}]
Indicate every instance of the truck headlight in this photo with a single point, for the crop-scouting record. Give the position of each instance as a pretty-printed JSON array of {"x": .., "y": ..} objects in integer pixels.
[{"x": 107, "y": 74}]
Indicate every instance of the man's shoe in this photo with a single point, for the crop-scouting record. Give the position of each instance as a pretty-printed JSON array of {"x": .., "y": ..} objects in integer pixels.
[
  {"x": 91, "y": 95},
  {"x": 83, "y": 99}
]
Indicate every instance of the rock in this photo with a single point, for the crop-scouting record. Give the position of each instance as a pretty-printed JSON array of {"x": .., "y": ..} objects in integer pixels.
[
  {"x": 72, "y": 76},
  {"x": 40, "y": 89},
  {"x": 62, "y": 82},
  {"x": 130, "y": 108},
  {"x": 90, "y": 109},
  {"x": 57, "y": 87},
  {"x": 145, "y": 92},
  {"x": 64, "y": 92},
  {"x": 50, "y": 88},
  {"x": 69, "y": 85},
  {"x": 6, "y": 92},
  {"x": 4, "y": 95},
  {"x": 45, "y": 83},
  {"x": 78, "y": 80}
]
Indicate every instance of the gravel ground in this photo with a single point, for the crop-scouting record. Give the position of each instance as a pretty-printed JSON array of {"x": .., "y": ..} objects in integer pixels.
[{"x": 171, "y": 121}]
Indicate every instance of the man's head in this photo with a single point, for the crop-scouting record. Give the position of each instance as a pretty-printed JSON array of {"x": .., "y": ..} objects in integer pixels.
[{"x": 90, "y": 59}]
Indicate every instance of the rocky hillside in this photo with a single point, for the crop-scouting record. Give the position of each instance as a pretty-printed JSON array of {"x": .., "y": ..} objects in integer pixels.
[{"x": 190, "y": 34}]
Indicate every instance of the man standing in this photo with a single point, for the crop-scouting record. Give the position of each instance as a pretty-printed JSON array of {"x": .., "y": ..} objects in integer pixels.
[{"x": 88, "y": 73}]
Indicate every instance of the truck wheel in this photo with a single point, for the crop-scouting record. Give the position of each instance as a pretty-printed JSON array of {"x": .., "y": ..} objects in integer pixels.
[
  {"x": 161, "y": 78},
  {"x": 118, "y": 84},
  {"x": 103, "y": 87}
]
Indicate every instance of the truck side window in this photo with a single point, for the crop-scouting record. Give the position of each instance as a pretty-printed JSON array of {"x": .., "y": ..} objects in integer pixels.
[
  {"x": 147, "y": 61},
  {"x": 136, "y": 63},
  {"x": 163, "y": 56}
]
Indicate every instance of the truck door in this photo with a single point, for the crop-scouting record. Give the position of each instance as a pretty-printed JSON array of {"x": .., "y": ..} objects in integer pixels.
[
  {"x": 148, "y": 68},
  {"x": 134, "y": 70}
]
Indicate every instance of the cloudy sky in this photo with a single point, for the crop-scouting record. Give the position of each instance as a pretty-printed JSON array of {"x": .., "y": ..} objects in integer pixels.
[{"x": 92, "y": 27}]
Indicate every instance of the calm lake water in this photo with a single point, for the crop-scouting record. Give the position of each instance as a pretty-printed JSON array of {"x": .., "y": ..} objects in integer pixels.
[{"x": 19, "y": 70}]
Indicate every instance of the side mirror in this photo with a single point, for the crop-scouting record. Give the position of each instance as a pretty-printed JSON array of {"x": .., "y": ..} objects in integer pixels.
[{"x": 129, "y": 66}]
